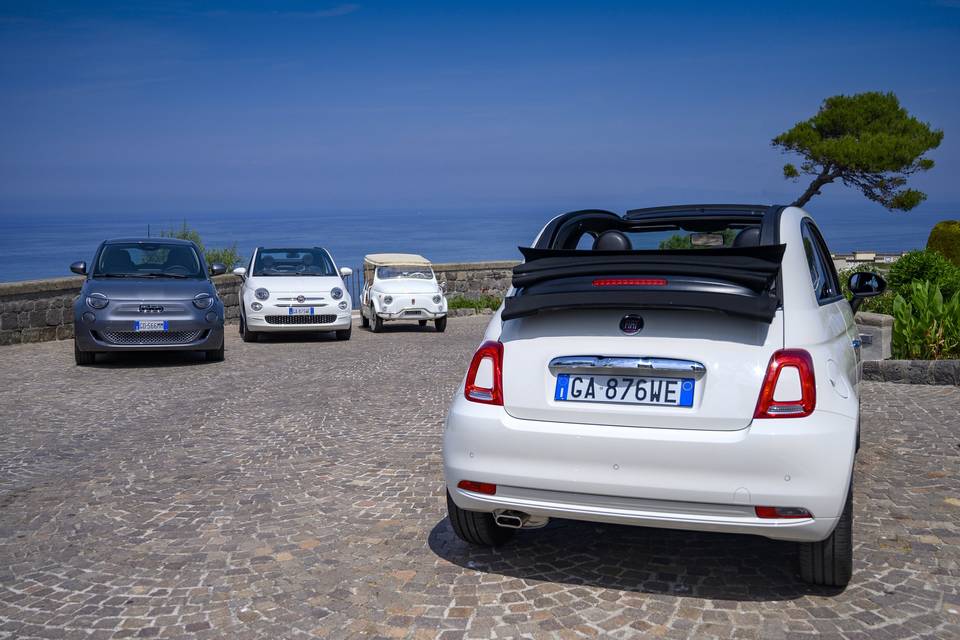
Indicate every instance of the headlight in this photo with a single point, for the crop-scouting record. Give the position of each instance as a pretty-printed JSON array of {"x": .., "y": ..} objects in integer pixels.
[
  {"x": 336, "y": 293},
  {"x": 202, "y": 301},
  {"x": 256, "y": 306},
  {"x": 387, "y": 299},
  {"x": 262, "y": 294},
  {"x": 97, "y": 301},
  {"x": 437, "y": 299}
]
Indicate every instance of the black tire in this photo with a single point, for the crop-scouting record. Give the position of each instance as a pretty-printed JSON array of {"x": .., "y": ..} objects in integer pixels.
[
  {"x": 344, "y": 334},
  {"x": 830, "y": 562},
  {"x": 245, "y": 334},
  {"x": 83, "y": 358},
  {"x": 376, "y": 322},
  {"x": 216, "y": 355},
  {"x": 364, "y": 320},
  {"x": 422, "y": 323},
  {"x": 440, "y": 324},
  {"x": 476, "y": 527}
]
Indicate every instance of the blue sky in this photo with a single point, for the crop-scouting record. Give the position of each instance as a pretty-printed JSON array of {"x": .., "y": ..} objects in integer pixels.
[{"x": 311, "y": 105}]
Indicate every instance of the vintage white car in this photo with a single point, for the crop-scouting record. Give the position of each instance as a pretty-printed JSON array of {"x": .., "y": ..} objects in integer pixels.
[
  {"x": 401, "y": 286},
  {"x": 715, "y": 389},
  {"x": 293, "y": 289}
]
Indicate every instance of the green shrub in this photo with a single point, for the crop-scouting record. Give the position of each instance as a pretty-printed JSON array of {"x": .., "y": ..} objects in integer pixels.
[
  {"x": 945, "y": 239},
  {"x": 482, "y": 302},
  {"x": 229, "y": 256},
  {"x": 878, "y": 304},
  {"x": 923, "y": 265},
  {"x": 925, "y": 327}
]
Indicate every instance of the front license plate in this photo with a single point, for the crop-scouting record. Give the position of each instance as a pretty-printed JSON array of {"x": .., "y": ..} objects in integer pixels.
[
  {"x": 300, "y": 311},
  {"x": 669, "y": 392},
  {"x": 150, "y": 325}
]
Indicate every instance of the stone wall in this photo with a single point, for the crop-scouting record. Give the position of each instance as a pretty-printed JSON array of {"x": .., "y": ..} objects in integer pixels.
[
  {"x": 40, "y": 310},
  {"x": 473, "y": 279}
]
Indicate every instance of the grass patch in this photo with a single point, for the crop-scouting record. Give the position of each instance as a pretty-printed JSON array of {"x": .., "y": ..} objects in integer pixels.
[{"x": 482, "y": 302}]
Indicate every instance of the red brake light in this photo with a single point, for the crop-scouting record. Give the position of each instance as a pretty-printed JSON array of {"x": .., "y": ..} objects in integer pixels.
[
  {"x": 492, "y": 351},
  {"x": 478, "y": 487},
  {"x": 629, "y": 282},
  {"x": 767, "y": 407}
]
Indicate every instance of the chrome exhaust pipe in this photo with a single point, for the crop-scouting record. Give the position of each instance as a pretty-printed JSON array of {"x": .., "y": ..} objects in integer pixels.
[{"x": 510, "y": 519}]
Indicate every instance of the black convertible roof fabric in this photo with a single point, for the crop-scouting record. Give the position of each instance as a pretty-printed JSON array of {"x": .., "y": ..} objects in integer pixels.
[{"x": 553, "y": 279}]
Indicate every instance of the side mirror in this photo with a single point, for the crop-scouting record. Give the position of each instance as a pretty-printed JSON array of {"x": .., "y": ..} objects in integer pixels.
[
  {"x": 217, "y": 269},
  {"x": 80, "y": 268},
  {"x": 240, "y": 271},
  {"x": 345, "y": 271},
  {"x": 863, "y": 285}
]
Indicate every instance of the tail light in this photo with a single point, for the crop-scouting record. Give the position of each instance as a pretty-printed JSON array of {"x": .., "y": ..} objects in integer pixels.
[
  {"x": 478, "y": 487},
  {"x": 771, "y": 404},
  {"x": 490, "y": 354}
]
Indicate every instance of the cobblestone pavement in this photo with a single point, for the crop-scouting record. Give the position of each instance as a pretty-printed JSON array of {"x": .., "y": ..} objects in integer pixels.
[{"x": 295, "y": 490}]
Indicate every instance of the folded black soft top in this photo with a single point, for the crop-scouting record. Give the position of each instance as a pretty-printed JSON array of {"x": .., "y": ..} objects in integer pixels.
[{"x": 735, "y": 280}]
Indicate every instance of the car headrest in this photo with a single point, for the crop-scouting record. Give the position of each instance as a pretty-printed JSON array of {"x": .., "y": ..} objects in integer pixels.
[
  {"x": 749, "y": 237},
  {"x": 612, "y": 241}
]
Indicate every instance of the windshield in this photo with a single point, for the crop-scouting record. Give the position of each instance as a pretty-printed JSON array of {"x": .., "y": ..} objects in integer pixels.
[
  {"x": 293, "y": 262},
  {"x": 148, "y": 260},
  {"x": 400, "y": 271}
]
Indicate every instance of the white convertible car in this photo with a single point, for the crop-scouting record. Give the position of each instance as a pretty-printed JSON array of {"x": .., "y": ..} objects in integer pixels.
[
  {"x": 293, "y": 289},
  {"x": 401, "y": 286},
  {"x": 712, "y": 388}
]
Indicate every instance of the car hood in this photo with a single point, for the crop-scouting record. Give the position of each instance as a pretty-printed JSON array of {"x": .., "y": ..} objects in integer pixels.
[
  {"x": 147, "y": 289},
  {"x": 406, "y": 285},
  {"x": 295, "y": 284}
]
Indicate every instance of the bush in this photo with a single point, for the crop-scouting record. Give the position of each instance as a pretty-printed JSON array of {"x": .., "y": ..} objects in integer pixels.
[
  {"x": 945, "y": 239},
  {"x": 229, "y": 257},
  {"x": 878, "y": 304},
  {"x": 483, "y": 302},
  {"x": 925, "y": 327},
  {"x": 925, "y": 265}
]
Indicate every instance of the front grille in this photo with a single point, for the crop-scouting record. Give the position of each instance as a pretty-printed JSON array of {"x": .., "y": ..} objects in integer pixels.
[
  {"x": 303, "y": 319},
  {"x": 150, "y": 337}
]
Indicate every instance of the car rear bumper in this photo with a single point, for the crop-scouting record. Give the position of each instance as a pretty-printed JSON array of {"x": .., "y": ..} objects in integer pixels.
[{"x": 684, "y": 479}]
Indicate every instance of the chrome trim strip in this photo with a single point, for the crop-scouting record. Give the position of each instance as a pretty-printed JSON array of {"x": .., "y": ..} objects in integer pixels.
[{"x": 633, "y": 365}]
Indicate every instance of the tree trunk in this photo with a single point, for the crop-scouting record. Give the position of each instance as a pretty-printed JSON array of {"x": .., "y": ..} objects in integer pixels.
[{"x": 823, "y": 178}]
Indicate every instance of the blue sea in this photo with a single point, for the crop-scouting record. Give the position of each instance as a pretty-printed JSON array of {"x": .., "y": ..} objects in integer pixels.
[{"x": 43, "y": 246}]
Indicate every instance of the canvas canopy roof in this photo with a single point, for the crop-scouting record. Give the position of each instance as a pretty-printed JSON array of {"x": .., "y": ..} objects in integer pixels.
[{"x": 391, "y": 259}]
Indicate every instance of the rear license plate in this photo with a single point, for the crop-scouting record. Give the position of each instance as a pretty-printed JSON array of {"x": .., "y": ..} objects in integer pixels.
[
  {"x": 150, "y": 325},
  {"x": 300, "y": 311},
  {"x": 669, "y": 392}
]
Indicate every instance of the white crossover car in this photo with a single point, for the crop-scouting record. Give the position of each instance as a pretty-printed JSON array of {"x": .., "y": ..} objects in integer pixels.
[
  {"x": 293, "y": 289},
  {"x": 710, "y": 388},
  {"x": 401, "y": 286}
]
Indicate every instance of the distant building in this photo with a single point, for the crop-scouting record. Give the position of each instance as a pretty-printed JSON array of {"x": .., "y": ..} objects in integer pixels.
[{"x": 858, "y": 258}]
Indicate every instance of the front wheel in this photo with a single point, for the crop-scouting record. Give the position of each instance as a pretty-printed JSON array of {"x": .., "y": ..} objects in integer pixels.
[
  {"x": 216, "y": 355},
  {"x": 476, "y": 527},
  {"x": 440, "y": 324},
  {"x": 422, "y": 323},
  {"x": 245, "y": 334},
  {"x": 376, "y": 322},
  {"x": 82, "y": 358},
  {"x": 830, "y": 562},
  {"x": 344, "y": 334},
  {"x": 364, "y": 320}
]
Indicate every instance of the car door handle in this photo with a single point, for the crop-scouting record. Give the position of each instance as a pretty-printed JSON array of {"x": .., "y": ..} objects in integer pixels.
[{"x": 634, "y": 365}]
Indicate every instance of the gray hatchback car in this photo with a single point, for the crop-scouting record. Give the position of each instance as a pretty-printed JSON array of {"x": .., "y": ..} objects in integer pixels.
[{"x": 147, "y": 295}]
